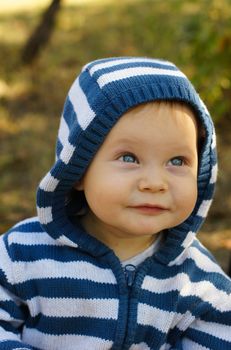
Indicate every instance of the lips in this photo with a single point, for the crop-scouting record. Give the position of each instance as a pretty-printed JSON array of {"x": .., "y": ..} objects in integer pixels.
[{"x": 151, "y": 209}]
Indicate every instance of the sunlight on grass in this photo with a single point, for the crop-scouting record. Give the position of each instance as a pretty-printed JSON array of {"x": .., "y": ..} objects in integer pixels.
[
  {"x": 10, "y": 6},
  {"x": 13, "y": 6}
]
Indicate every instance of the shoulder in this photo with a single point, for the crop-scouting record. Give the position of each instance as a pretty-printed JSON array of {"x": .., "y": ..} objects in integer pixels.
[
  {"x": 205, "y": 278},
  {"x": 28, "y": 232},
  {"x": 203, "y": 260},
  {"x": 26, "y": 225}
]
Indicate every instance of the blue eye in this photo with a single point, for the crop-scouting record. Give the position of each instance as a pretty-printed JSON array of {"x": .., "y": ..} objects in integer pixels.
[
  {"x": 177, "y": 161},
  {"x": 128, "y": 158}
]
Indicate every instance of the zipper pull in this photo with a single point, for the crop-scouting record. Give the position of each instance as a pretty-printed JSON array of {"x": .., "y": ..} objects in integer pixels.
[{"x": 130, "y": 271}]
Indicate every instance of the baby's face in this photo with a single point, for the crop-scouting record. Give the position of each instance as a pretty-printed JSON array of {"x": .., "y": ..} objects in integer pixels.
[{"x": 143, "y": 179}]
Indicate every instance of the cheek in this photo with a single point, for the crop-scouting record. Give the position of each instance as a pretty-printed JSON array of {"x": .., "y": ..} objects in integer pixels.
[
  {"x": 186, "y": 194},
  {"x": 100, "y": 194}
]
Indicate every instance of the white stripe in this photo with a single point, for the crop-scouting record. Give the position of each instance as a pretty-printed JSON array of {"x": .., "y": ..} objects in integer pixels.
[
  {"x": 107, "y": 78},
  {"x": 49, "y": 183},
  {"x": 67, "y": 152},
  {"x": 67, "y": 341},
  {"x": 6, "y": 264},
  {"x": 46, "y": 268},
  {"x": 214, "y": 142},
  {"x": 151, "y": 316},
  {"x": 188, "y": 344},
  {"x": 26, "y": 221},
  {"x": 5, "y": 316},
  {"x": 45, "y": 215},
  {"x": 63, "y": 240},
  {"x": 165, "y": 346},
  {"x": 204, "y": 208},
  {"x": 189, "y": 239},
  {"x": 63, "y": 131},
  {"x": 214, "y": 174},
  {"x": 81, "y": 106},
  {"x": 220, "y": 331},
  {"x": 185, "y": 321},
  {"x": 71, "y": 307},
  {"x": 4, "y": 296},
  {"x": 163, "y": 320},
  {"x": 201, "y": 261},
  {"x": 140, "y": 346},
  {"x": 113, "y": 63},
  {"x": 203, "y": 106},
  {"x": 6, "y": 336},
  {"x": 31, "y": 238},
  {"x": 181, "y": 282}
]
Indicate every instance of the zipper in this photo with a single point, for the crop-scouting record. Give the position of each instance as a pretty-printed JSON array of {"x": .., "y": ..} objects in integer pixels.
[{"x": 130, "y": 272}]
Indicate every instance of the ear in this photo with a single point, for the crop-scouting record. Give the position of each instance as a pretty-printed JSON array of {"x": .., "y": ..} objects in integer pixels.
[{"x": 79, "y": 186}]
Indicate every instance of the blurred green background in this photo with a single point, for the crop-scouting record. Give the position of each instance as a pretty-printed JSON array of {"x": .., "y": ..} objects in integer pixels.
[{"x": 195, "y": 35}]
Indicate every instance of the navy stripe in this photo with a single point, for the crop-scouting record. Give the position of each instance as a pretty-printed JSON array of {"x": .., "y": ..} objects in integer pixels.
[
  {"x": 69, "y": 114},
  {"x": 13, "y": 309},
  {"x": 195, "y": 305},
  {"x": 25, "y": 226},
  {"x": 92, "y": 90},
  {"x": 207, "y": 340},
  {"x": 157, "y": 82},
  {"x": 174, "y": 337},
  {"x": 217, "y": 317},
  {"x": 166, "y": 301},
  {"x": 59, "y": 253},
  {"x": 101, "y": 328},
  {"x": 68, "y": 288},
  {"x": 48, "y": 198},
  {"x": 152, "y": 336},
  {"x": 59, "y": 147},
  {"x": 9, "y": 328},
  {"x": 37, "y": 252}
]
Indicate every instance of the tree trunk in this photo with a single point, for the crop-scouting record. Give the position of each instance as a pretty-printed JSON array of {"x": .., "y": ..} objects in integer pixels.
[{"x": 41, "y": 34}]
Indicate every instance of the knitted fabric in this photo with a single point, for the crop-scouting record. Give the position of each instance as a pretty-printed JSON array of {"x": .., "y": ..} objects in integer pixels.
[{"x": 60, "y": 288}]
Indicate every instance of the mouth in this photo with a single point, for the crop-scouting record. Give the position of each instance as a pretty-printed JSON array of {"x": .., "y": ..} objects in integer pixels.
[{"x": 151, "y": 209}]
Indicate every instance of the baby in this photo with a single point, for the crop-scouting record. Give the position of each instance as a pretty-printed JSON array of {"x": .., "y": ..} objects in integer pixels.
[{"x": 112, "y": 260}]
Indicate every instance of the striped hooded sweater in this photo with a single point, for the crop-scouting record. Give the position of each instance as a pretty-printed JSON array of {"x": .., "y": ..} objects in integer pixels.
[{"x": 61, "y": 288}]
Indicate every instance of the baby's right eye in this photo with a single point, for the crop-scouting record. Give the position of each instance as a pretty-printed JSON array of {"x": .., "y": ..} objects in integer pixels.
[{"x": 128, "y": 158}]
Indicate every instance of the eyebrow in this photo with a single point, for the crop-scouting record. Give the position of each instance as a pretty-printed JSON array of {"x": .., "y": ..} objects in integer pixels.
[
  {"x": 137, "y": 140},
  {"x": 132, "y": 140}
]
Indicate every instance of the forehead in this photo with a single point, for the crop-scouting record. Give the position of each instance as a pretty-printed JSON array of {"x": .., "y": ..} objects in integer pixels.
[{"x": 159, "y": 118}]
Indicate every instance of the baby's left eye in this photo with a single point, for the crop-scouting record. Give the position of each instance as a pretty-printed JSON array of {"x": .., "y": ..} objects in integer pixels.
[
  {"x": 128, "y": 158},
  {"x": 177, "y": 161}
]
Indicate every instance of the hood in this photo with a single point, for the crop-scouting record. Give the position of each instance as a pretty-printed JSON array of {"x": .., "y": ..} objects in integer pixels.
[{"x": 100, "y": 95}]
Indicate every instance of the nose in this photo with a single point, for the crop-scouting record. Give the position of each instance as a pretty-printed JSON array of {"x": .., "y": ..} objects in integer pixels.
[{"x": 153, "y": 180}]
